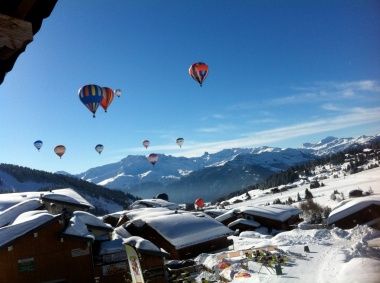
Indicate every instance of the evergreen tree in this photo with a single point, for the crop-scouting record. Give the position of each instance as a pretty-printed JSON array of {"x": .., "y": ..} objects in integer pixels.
[
  {"x": 299, "y": 197},
  {"x": 308, "y": 194}
]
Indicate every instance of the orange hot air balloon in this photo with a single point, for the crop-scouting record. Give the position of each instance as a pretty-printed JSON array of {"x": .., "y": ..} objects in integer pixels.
[
  {"x": 199, "y": 71},
  {"x": 60, "y": 150},
  {"x": 199, "y": 203},
  {"x": 108, "y": 96}
]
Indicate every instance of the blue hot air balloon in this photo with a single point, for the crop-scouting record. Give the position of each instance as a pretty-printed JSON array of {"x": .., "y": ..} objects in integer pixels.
[{"x": 38, "y": 144}]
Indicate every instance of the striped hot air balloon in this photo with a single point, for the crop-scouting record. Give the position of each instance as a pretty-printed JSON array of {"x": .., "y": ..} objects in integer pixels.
[
  {"x": 91, "y": 96},
  {"x": 199, "y": 71},
  {"x": 108, "y": 96}
]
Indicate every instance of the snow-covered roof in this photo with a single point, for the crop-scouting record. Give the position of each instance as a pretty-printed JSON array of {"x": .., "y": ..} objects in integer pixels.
[
  {"x": 148, "y": 211},
  {"x": 154, "y": 203},
  {"x": 110, "y": 247},
  {"x": 78, "y": 228},
  {"x": 244, "y": 222},
  {"x": 143, "y": 245},
  {"x": 11, "y": 213},
  {"x": 278, "y": 212},
  {"x": 352, "y": 206},
  {"x": 226, "y": 215},
  {"x": 24, "y": 223},
  {"x": 120, "y": 233},
  {"x": 186, "y": 229},
  {"x": 90, "y": 219},
  {"x": 66, "y": 195}
]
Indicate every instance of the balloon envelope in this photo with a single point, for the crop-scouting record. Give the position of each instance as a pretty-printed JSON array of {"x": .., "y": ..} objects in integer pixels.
[
  {"x": 60, "y": 150},
  {"x": 146, "y": 143},
  {"x": 99, "y": 148},
  {"x": 180, "y": 141},
  {"x": 91, "y": 96},
  {"x": 107, "y": 98},
  {"x": 199, "y": 203},
  {"x": 38, "y": 144},
  {"x": 199, "y": 71},
  {"x": 118, "y": 92},
  {"x": 153, "y": 158}
]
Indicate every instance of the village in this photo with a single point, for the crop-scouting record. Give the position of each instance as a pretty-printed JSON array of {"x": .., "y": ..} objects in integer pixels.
[{"x": 52, "y": 236}]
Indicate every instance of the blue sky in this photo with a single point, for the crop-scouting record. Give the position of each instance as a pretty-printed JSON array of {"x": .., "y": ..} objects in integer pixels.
[{"x": 280, "y": 74}]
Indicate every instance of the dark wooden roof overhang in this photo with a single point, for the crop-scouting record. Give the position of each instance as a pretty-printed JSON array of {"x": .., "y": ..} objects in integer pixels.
[{"x": 20, "y": 20}]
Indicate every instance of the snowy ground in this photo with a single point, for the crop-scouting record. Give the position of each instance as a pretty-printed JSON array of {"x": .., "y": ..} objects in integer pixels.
[
  {"x": 363, "y": 180},
  {"x": 335, "y": 256}
]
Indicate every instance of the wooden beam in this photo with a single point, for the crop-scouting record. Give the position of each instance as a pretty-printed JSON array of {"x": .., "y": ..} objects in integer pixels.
[
  {"x": 15, "y": 34},
  {"x": 23, "y": 8}
]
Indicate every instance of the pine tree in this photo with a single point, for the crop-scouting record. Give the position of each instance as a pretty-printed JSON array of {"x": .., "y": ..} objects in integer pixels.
[
  {"x": 308, "y": 194},
  {"x": 299, "y": 197}
]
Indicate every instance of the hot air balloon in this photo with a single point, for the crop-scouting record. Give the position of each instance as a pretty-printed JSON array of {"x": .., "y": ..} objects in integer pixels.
[
  {"x": 199, "y": 71},
  {"x": 180, "y": 141},
  {"x": 38, "y": 144},
  {"x": 107, "y": 98},
  {"x": 99, "y": 148},
  {"x": 91, "y": 96},
  {"x": 199, "y": 203},
  {"x": 118, "y": 92},
  {"x": 60, "y": 150},
  {"x": 146, "y": 143},
  {"x": 153, "y": 158}
]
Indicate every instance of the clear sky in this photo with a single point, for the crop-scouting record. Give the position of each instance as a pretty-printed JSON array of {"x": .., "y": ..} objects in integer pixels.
[{"x": 280, "y": 73}]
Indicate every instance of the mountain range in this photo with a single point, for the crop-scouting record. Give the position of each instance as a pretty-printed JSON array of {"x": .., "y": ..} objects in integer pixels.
[{"x": 209, "y": 176}]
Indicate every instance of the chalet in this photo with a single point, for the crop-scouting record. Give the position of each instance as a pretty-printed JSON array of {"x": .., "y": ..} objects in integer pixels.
[
  {"x": 55, "y": 201},
  {"x": 67, "y": 199},
  {"x": 33, "y": 249},
  {"x": 182, "y": 234},
  {"x": 242, "y": 224},
  {"x": 361, "y": 210},
  {"x": 8, "y": 215},
  {"x": 146, "y": 260},
  {"x": 280, "y": 217},
  {"x": 111, "y": 262}
]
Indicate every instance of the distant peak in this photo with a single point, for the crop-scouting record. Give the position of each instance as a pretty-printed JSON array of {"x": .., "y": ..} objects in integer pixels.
[{"x": 328, "y": 139}]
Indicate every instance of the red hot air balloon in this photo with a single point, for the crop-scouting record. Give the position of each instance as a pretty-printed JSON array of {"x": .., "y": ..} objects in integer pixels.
[
  {"x": 199, "y": 71},
  {"x": 199, "y": 203},
  {"x": 91, "y": 96},
  {"x": 60, "y": 150},
  {"x": 153, "y": 158},
  {"x": 146, "y": 143},
  {"x": 108, "y": 96}
]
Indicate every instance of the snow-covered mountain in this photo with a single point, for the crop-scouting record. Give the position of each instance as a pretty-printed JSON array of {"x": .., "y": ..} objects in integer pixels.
[
  {"x": 330, "y": 145},
  {"x": 135, "y": 174}
]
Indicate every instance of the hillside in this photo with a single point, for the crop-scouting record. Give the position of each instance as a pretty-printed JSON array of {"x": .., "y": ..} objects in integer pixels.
[{"x": 22, "y": 179}]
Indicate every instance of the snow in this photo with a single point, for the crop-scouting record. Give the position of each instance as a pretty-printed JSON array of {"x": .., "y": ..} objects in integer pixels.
[
  {"x": 78, "y": 228},
  {"x": 90, "y": 219},
  {"x": 183, "y": 230},
  {"x": 66, "y": 195},
  {"x": 359, "y": 270},
  {"x": 247, "y": 222},
  {"x": 147, "y": 212},
  {"x": 110, "y": 247},
  {"x": 11, "y": 213},
  {"x": 141, "y": 244},
  {"x": 351, "y": 206},
  {"x": 153, "y": 203},
  {"x": 109, "y": 180},
  {"x": 275, "y": 212},
  {"x": 25, "y": 223},
  {"x": 142, "y": 175}
]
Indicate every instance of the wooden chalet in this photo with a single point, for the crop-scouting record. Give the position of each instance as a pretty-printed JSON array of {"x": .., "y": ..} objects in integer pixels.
[
  {"x": 34, "y": 249},
  {"x": 280, "y": 217},
  {"x": 361, "y": 210},
  {"x": 20, "y": 20},
  {"x": 183, "y": 235}
]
